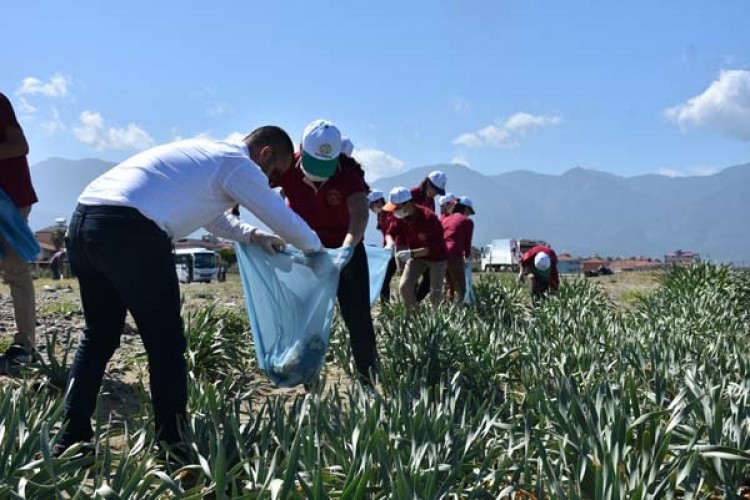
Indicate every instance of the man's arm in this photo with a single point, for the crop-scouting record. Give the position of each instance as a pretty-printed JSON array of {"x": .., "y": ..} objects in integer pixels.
[
  {"x": 249, "y": 186},
  {"x": 358, "y": 215}
]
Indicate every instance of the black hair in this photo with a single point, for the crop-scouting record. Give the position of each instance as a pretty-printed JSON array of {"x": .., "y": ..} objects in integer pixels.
[
  {"x": 347, "y": 162},
  {"x": 270, "y": 135},
  {"x": 459, "y": 208}
]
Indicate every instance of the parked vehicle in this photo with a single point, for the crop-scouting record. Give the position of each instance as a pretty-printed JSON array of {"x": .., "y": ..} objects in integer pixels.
[
  {"x": 196, "y": 265},
  {"x": 504, "y": 254}
]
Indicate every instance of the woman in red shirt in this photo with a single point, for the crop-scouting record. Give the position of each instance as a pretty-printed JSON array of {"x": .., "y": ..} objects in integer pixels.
[{"x": 458, "y": 230}]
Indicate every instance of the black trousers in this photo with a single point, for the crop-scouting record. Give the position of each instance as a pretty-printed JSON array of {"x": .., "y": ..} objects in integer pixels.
[
  {"x": 124, "y": 262},
  {"x": 354, "y": 301}
]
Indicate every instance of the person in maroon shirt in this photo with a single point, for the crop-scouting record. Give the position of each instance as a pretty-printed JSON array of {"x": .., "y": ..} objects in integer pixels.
[
  {"x": 15, "y": 180},
  {"x": 417, "y": 235},
  {"x": 328, "y": 190},
  {"x": 446, "y": 204},
  {"x": 540, "y": 265},
  {"x": 376, "y": 199},
  {"x": 458, "y": 230},
  {"x": 424, "y": 195}
]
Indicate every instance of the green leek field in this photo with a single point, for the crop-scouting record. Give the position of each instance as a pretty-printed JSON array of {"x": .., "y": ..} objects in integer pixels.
[{"x": 646, "y": 396}]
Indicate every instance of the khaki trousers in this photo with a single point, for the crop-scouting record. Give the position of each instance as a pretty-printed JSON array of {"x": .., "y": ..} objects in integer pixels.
[
  {"x": 17, "y": 274},
  {"x": 412, "y": 271}
]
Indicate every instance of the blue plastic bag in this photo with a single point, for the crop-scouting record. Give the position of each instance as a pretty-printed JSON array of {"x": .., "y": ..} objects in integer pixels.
[
  {"x": 290, "y": 299},
  {"x": 377, "y": 261},
  {"x": 469, "y": 295},
  {"x": 16, "y": 231}
]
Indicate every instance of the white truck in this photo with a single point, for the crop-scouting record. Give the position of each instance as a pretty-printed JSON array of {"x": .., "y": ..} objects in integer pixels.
[{"x": 504, "y": 254}]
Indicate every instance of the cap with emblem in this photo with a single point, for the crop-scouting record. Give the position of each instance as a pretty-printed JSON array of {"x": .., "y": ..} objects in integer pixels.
[{"x": 321, "y": 146}]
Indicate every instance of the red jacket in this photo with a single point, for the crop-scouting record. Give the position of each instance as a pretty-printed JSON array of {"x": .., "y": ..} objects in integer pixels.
[
  {"x": 420, "y": 230},
  {"x": 457, "y": 232},
  {"x": 527, "y": 263}
]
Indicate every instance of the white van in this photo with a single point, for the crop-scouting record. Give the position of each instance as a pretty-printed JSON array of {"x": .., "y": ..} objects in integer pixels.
[
  {"x": 196, "y": 265},
  {"x": 504, "y": 254}
]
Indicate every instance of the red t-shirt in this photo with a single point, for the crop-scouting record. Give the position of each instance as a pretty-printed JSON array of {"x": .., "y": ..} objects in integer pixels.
[
  {"x": 324, "y": 208},
  {"x": 458, "y": 230},
  {"x": 527, "y": 262},
  {"x": 422, "y": 229},
  {"x": 422, "y": 199},
  {"x": 15, "y": 178},
  {"x": 384, "y": 221}
]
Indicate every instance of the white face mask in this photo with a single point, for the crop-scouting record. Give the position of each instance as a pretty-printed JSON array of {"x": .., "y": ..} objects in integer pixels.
[
  {"x": 400, "y": 213},
  {"x": 376, "y": 210}
]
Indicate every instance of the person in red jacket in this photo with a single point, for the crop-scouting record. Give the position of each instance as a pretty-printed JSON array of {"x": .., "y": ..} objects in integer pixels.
[
  {"x": 424, "y": 195},
  {"x": 328, "y": 190},
  {"x": 376, "y": 199},
  {"x": 458, "y": 230},
  {"x": 417, "y": 235},
  {"x": 15, "y": 180},
  {"x": 540, "y": 265},
  {"x": 446, "y": 204}
]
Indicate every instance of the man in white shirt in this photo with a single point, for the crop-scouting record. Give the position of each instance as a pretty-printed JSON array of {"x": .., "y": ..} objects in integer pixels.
[{"x": 120, "y": 249}]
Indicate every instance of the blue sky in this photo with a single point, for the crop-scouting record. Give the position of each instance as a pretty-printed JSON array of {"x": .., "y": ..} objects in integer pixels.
[{"x": 624, "y": 87}]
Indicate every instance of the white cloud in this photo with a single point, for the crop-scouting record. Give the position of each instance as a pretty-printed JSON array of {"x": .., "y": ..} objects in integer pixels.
[
  {"x": 54, "y": 124},
  {"x": 378, "y": 163},
  {"x": 522, "y": 123},
  {"x": 460, "y": 160},
  {"x": 696, "y": 171},
  {"x": 497, "y": 137},
  {"x": 724, "y": 106},
  {"x": 24, "y": 106},
  {"x": 93, "y": 133},
  {"x": 57, "y": 86},
  {"x": 506, "y": 134}
]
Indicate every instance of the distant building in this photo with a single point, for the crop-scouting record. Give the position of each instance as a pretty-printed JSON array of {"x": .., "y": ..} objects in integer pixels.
[
  {"x": 567, "y": 264},
  {"x": 681, "y": 258}
]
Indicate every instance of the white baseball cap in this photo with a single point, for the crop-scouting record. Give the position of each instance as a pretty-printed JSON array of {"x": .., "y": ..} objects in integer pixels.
[
  {"x": 448, "y": 198},
  {"x": 397, "y": 196},
  {"x": 542, "y": 261},
  {"x": 466, "y": 201},
  {"x": 321, "y": 146},
  {"x": 347, "y": 147},
  {"x": 375, "y": 195},
  {"x": 439, "y": 180}
]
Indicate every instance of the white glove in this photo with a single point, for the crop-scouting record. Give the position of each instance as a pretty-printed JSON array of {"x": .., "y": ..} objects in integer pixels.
[
  {"x": 268, "y": 242},
  {"x": 404, "y": 255}
]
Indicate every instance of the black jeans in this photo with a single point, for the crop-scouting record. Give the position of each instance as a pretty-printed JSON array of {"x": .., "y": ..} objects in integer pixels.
[
  {"x": 124, "y": 262},
  {"x": 354, "y": 301},
  {"x": 385, "y": 292}
]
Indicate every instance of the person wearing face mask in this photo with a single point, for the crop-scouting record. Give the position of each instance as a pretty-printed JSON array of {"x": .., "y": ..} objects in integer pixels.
[
  {"x": 328, "y": 190},
  {"x": 424, "y": 195},
  {"x": 119, "y": 247},
  {"x": 417, "y": 235},
  {"x": 376, "y": 199},
  {"x": 446, "y": 204}
]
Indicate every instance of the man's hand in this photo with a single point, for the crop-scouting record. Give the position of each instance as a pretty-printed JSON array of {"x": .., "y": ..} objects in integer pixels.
[{"x": 268, "y": 242}]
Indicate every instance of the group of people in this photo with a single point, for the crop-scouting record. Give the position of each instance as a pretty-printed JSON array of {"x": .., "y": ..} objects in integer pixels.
[
  {"x": 435, "y": 248},
  {"x": 119, "y": 245}
]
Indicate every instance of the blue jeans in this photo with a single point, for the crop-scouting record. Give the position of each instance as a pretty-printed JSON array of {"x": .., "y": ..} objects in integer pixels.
[{"x": 124, "y": 262}]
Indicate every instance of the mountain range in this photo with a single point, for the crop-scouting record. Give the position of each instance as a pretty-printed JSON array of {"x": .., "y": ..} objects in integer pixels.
[{"x": 583, "y": 212}]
